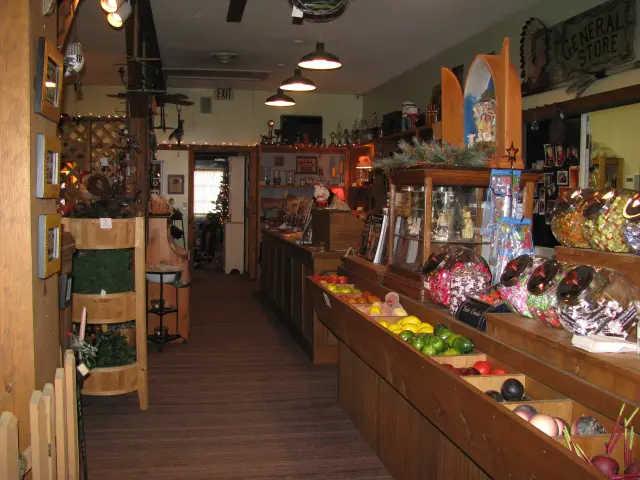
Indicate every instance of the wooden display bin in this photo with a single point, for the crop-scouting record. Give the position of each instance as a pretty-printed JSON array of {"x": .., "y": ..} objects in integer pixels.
[
  {"x": 338, "y": 230},
  {"x": 115, "y": 308}
]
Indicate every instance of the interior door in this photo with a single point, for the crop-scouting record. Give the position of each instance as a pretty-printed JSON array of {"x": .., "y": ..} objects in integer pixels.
[{"x": 234, "y": 242}]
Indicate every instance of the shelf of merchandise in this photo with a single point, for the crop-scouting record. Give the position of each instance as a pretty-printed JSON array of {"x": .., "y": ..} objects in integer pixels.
[
  {"x": 626, "y": 263},
  {"x": 117, "y": 307}
]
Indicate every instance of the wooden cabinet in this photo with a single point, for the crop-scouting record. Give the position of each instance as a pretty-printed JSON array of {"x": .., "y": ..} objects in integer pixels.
[{"x": 339, "y": 231}]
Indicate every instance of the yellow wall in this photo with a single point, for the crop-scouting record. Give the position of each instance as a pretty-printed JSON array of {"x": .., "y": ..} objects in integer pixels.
[
  {"x": 617, "y": 129},
  {"x": 416, "y": 84}
]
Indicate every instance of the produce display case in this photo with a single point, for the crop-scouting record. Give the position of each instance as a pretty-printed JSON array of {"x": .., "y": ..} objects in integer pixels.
[{"x": 407, "y": 406}]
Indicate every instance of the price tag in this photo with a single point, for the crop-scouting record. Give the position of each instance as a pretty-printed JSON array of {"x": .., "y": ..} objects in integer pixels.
[
  {"x": 326, "y": 299},
  {"x": 104, "y": 162},
  {"x": 105, "y": 223}
]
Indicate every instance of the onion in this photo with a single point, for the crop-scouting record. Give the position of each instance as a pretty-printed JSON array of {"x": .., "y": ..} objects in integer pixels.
[
  {"x": 633, "y": 467},
  {"x": 562, "y": 424},
  {"x": 546, "y": 424},
  {"x": 587, "y": 425},
  {"x": 606, "y": 465},
  {"x": 525, "y": 411}
]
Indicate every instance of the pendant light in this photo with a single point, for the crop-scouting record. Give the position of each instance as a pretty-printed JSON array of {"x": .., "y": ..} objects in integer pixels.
[
  {"x": 117, "y": 18},
  {"x": 298, "y": 83},
  {"x": 280, "y": 100},
  {"x": 111, "y": 6},
  {"x": 320, "y": 60}
]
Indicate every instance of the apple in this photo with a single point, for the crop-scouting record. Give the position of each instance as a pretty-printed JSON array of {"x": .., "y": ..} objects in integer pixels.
[
  {"x": 343, "y": 280},
  {"x": 498, "y": 371},
  {"x": 483, "y": 367}
]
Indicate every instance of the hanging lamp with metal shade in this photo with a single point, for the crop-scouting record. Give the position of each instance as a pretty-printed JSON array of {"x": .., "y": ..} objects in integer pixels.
[
  {"x": 280, "y": 100},
  {"x": 111, "y": 6},
  {"x": 320, "y": 59},
  {"x": 120, "y": 16},
  {"x": 298, "y": 83}
]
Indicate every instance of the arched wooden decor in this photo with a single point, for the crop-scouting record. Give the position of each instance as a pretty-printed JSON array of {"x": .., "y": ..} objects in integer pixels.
[{"x": 490, "y": 111}]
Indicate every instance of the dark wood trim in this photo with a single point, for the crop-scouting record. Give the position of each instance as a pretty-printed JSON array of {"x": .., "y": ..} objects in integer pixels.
[
  {"x": 590, "y": 103},
  {"x": 208, "y": 148},
  {"x": 191, "y": 219}
]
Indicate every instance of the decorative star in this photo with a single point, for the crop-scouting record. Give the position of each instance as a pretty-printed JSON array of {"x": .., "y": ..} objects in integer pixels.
[{"x": 512, "y": 152}]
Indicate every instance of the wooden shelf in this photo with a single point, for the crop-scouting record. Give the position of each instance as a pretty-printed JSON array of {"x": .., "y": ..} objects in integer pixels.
[
  {"x": 452, "y": 176},
  {"x": 107, "y": 309},
  {"x": 88, "y": 234},
  {"x": 413, "y": 132},
  {"x": 285, "y": 186},
  {"x": 626, "y": 263},
  {"x": 294, "y": 149}
]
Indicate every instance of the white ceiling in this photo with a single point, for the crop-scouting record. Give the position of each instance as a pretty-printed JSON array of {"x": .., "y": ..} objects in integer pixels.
[{"x": 375, "y": 39}]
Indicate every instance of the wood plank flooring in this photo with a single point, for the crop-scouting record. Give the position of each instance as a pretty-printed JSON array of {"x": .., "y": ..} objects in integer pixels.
[{"x": 240, "y": 401}]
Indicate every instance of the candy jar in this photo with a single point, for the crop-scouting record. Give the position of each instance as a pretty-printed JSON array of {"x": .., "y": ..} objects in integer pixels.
[
  {"x": 451, "y": 266},
  {"x": 514, "y": 280},
  {"x": 542, "y": 286},
  {"x": 604, "y": 220},
  {"x": 631, "y": 227},
  {"x": 597, "y": 302},
  {"x": 567, "y": 218}
]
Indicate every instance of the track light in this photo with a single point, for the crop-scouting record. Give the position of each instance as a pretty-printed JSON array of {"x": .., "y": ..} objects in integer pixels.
[
  {"x": 298, "y": 83},
  {"x": 117, "y": 18},
  {"x": 280, "y": 100},
  {"x": 320, "y": 60},
  {"x": 111, "y": 6}
]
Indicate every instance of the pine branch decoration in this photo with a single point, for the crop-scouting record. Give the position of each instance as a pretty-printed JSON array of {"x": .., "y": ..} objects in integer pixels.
[{"x": 419, "y": 152}]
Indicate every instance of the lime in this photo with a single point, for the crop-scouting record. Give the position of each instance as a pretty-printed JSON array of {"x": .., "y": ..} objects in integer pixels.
[
  {"x": 451, "y": 338},
  {"x": 417, "y": 343},
  {"x": 425, "y": 337},
  {"x": 439, "y": 327},
  {"x": 463, "y": 344},
  {"x": 406, "y": 335},
  {"x": 444, "y": 333},
  {"x": 429, "y": 351},
  {"x": 451, "y": 351},
  {"x": 437, "y": 343}
]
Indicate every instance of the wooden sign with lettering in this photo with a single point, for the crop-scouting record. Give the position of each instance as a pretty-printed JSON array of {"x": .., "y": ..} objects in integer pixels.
[
  {"x": 224, "y": 93},
  {"x": 578, "y": 51}
]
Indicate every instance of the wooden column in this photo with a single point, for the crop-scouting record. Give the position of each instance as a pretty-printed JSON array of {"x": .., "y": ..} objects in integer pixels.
[
  {"x": 29, "y": 329},
  {"x": 392, "y": 223}
]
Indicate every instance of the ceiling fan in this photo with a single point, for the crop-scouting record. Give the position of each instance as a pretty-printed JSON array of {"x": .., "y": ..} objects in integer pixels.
[{"x": 312, "y": 10}]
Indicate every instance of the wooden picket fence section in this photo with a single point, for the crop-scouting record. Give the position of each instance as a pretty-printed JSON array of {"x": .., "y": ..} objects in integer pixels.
[{"x": 53, "y": 454}]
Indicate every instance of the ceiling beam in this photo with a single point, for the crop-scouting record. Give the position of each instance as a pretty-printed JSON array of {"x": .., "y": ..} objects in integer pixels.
[{"x": 236, "y": 10}]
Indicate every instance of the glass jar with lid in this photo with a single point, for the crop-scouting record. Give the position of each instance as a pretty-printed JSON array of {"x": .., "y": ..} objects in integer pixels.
[
  {"x": 542, "y": 301},
  {"x": 567, "y": 218},
  {"x": 597, "y": 301},
  {"x": 631, "y": 227},
  {"x": 604, "y": 220},
  {"x": 514, "y": 281},
  {"x": 452, "y": 274}
]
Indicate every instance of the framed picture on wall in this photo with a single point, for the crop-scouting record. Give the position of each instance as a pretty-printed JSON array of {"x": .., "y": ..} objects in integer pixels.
[
  {"x": 49, "y": 244},
  {"x": 175, "y": 184},
  {"x": 48, "y": 151},
  {"x": 307, "y": 165},
  {"x": 49, "y": 75},
  {"x": 549, "y": 155}
]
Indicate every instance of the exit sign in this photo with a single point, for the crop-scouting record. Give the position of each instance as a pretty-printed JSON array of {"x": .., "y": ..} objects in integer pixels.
[{"x": 224, "y": 93}]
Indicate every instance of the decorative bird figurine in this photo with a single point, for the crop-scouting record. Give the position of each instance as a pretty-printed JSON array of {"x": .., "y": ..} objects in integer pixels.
[{"x": 178, "y": 133}]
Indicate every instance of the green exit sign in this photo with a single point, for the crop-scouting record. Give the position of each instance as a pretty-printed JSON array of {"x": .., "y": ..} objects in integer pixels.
[{"x": 224, "y": 93}]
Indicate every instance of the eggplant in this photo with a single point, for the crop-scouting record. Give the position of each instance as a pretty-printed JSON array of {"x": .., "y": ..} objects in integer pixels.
[{"x": 512, "y": 390}]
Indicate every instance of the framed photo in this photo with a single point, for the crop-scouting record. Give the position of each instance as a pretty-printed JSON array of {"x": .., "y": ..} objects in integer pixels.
[
  {"x": 64, "y": 288},
  {"x": 175, "y": 184},
  {"x": 49, "y": 75},
  {"x": 561, "y": 157},
  {"x": 549, "y": 155},
  {"x": 49, "y": 245},
  {"x": 279, "y": 161},
  {"x": 562, "y": 177},
  {"x": 548, "y": 179},
  {"x": 308, "y": 165},
  {"x": 155, "y": 177},
  {"x": 573, "y": 154},
  {"x": 48, "y": 151},
  {"x": 549, "y": 212}
]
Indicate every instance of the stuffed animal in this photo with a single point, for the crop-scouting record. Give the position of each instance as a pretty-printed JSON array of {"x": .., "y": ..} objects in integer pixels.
[
  {"x": 391, "y": 306},
  {"x": 322, "y": 195}
]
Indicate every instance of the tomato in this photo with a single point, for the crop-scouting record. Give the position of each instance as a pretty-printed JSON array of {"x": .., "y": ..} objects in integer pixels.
[
  {"x": 498, "y": 371},
  {"x": 483, "y": 367},
  {"x": 343, "y": 280},
  {"x": 316, "y": 277},
  {"x": 322, "y": 281}
]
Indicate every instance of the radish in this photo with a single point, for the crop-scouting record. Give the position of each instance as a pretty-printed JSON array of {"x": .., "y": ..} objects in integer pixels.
[{"x": 606, "y": 465}]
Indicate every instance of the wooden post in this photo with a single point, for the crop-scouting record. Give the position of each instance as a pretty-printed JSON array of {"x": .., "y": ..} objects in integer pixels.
[
  {"x": 48, "y": 397},
  {"x": 426, "y": 234},
  {"x": 392, "y": 223},
  {"x": 39, "y": 443},
  {"x": 72, "y": 414},
  {"x": 9, "y": 465},
  {"x": 61, "y": 428},
  {"x": 141, "y": 315}
]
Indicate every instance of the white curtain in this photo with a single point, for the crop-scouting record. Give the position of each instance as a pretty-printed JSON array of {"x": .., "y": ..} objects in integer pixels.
[{"x": 206, "y": 186}]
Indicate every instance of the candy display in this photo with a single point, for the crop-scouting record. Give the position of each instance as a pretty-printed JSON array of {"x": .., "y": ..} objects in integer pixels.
[
  {"x": 604, "y": 219},
  {"x": 514, "y": 280},
  {"x": 457, "y": 266},
  {"x": 631, "y": 227},
  {"x": 514, "y": 239},
  {"x": 542, "y": 286},
  {"x": 597, "y": 302},
  {"x": 567, "y": 218}
]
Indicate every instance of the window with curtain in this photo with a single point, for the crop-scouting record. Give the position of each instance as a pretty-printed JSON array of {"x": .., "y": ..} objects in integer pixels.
[{"x": 206, "y": 187}]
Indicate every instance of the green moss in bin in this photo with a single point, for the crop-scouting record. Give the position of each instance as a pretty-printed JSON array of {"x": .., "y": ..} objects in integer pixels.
[{"x": 108, "y": 270}]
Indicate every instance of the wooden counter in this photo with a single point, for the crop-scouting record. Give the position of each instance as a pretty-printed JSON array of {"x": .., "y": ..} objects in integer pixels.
[{"x": 285, "y": 267}]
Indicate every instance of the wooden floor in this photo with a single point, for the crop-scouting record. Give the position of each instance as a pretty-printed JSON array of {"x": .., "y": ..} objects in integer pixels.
[{"x": 240, "y": 402}]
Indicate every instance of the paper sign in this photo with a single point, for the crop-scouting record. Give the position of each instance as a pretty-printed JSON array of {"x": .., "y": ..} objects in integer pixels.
[
  {"x": 326, "y": 299},
  {"x": 104, "y": 162},
  {"x": 105, "y": 223}
]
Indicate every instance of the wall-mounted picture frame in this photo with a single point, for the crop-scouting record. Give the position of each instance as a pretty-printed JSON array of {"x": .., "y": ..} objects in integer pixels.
[
  {"x": 549, "y": 155},
  {"x": 49, "y": 245},
  {"x": 279, "y": 161},
  {"x": 155, "y": 178},
  {"x": 562, "y": 177},
  {"x": 48, "y": 153},
  {"x": 561, "y": 157},
  {"x": 175, "y": 184},
  {"x": 49, "y": 76},
  {"x": 307, "y": 165}
]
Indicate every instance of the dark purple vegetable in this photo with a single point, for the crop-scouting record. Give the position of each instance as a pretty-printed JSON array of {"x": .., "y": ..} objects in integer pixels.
[
  {"x": 606, "y": 465},
  {"x": 472, "y": 371},
  {"x": 587, "y": 425},
  {"x": 525, "y": 411},
  {"x": 497, "y": 396},
  {"x": 512, "y": 390},
  {"x": 633, "y": 467},
  {"x": 526, "y": 398}
]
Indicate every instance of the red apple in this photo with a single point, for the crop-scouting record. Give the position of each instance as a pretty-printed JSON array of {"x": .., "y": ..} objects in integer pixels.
[
  {"x": 498, "y": 371},
  {"x": 343, "y": 280},
  {"x": 483, "y": 367}
]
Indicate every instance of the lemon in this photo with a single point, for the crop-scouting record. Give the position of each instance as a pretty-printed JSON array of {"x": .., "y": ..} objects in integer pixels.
[
  {"x": 384, "y": 324},
  {"x": 411, "y": 320},
  {"x": 395, "y": 329},
  {"x": 425, "y": 328},
  {"x": 375, "y": 310},
  {"x": 411, "y": 328}
]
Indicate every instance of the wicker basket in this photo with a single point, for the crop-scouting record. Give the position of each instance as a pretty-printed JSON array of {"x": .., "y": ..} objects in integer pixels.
[{"x": 129, "y": 333}]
